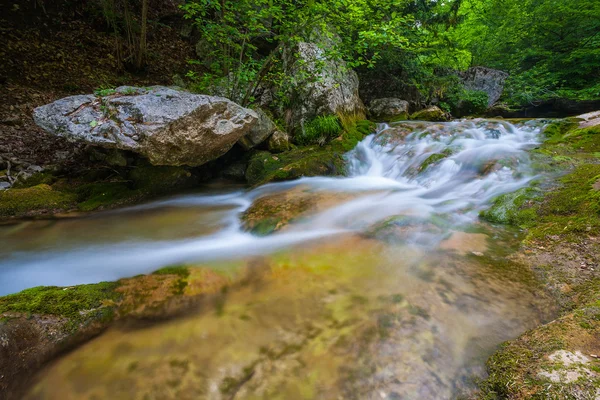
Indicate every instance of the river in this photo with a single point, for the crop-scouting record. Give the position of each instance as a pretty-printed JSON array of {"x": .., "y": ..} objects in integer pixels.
[{"x": 380, "y": 285}]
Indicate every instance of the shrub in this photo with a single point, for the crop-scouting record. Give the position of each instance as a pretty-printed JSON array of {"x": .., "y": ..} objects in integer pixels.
[{"x": 320, "y": 130}]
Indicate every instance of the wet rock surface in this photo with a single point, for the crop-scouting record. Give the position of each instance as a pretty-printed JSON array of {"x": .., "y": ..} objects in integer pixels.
[
  {"x": 168, "y": 126},
  {"x": 388, "y": 109},
  {"x": 360, "y": 331}
]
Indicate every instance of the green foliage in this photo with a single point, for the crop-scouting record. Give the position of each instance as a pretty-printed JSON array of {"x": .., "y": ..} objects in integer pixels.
[
  {"x": 551, "y": 49},
  {"x": 103, "y": 92},
  {"x": 319, "y": 131},
  {"x": 244, "y": 42},
  {"x": 464, "y": 102}
]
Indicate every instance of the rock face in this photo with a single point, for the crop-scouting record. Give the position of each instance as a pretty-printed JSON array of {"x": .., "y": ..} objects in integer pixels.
[
  {"x": 324, "y": 86},
  {"x": 430, "y": 114},
  {"x": 259, "y": 132},
  {"x": 490, "y": 81},
  {"x": 168, "y": 126},
  {"x": 388, "y": 109}
]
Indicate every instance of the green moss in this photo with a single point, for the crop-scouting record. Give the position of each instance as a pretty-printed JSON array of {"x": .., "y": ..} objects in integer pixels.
[
  {"x": 573, "y": 208},
  {"x": 513, "y": 208},
  {"x": 327, "y": 160},
  {"x": 160, "y": 179},
  {"x": 432, "y": 159},
  {"x": 265, "y": 226},
  {"x": 179, "y": 270},
  {"x": 308, "y": 161},
  {"x": 46, "y": 178},
  {"x": 75, "y": 303},
  {"x": 429, "y": 114},
  {"x": 93, "y": 196},
  {"x": 559, "y": 128},
  {"x": 16, "y": 202},
  {"x": 180, "y": 284}
]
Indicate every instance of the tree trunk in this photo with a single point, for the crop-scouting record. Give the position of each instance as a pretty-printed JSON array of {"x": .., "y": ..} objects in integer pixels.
[{"x": 140, "y": 61}]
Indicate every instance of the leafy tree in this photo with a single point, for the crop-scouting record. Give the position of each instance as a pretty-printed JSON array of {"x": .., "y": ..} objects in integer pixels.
[{"x": 550, "y": 47}]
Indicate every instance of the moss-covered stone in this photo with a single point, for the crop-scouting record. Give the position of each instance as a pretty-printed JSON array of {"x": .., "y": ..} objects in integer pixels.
[
  {"x": 46, "y": 178},
  {"x": 76, "y": 303},
  {"x": 562, "y": 222},
  {"x": 34, "y": 200},
  {"x": 431, "y": 160},
  {"x": 97, "y": 188},
  {"x": 327, "y": 160},
  {"x": 430, "y": 114},
  {"x": 527, "y": 368},
  {"x": 94, "y": 196},
  {"x": 160, "y": 179},
  {"x": 517, "y": 208},
  {"x": 265, "y": 167},
  {"x": 274, "y": 212}
]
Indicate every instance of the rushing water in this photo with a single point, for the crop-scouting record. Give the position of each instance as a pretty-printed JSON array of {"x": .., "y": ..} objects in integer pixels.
[{"x": 385, "y": 286}]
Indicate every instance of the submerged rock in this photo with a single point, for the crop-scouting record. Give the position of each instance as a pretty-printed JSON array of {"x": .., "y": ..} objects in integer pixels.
[
  {"x": 389, "y": 109},
  {"x": 168, "y": 126}
]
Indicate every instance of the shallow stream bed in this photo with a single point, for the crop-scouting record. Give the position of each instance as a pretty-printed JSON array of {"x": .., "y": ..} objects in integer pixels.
[{"x": 382, "y": 284}]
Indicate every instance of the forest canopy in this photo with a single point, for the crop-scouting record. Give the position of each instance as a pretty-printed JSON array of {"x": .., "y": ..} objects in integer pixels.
[{"x": 551, "y": 48}]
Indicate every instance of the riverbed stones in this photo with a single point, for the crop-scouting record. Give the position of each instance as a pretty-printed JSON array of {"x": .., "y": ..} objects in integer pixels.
[
  {"x": 388, "y": 109},
  {"x": 166, "y": 125}
]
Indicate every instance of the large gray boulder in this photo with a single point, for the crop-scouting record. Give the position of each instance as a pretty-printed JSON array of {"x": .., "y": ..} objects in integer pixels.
[
  {"x": 259, "y": 132},
  {"x": 166, "y": 125},
  {"x": 490, "y": 81},
  {"x": 388, "y": 109},
  {"x": 322, "y": 85}
]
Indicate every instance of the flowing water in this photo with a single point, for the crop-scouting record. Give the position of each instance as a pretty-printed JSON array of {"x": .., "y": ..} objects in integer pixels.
[{"x": 382, "y": 284}]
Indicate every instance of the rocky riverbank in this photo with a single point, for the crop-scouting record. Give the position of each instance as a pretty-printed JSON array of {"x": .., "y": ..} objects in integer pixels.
[{"x": 560, "y": 359}]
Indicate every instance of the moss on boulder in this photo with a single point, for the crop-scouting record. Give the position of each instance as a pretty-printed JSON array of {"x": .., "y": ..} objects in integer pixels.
[
  {"x": 34, "y": 200},
  {"x": 77, "y": 304},
  {"x": 48, "y": 193},
  {"x": 517, "y": 208},
  {"x": 430, "y": 114},
  {"x": 315, "y": 160}
]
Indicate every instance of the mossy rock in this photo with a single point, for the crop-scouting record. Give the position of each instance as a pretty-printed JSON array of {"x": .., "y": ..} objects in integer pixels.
[
  {"x": 430, "y": 114},
  {"x": 524, "y": 368},
  {"x": 274, "y": 212},
  {"x": 101, "y": 195},
  {"x": 515, "y": 208},
  {"x": 306, "y": 161},
  {"x": 40, "y": 178},
  {"x": 34, "y": 200},
  {"x": 76, "y": 303},
  {"x": 160, "y": 179},
  {"x": 431, "y": 160},
  {"x": 265, "y": 167}
]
